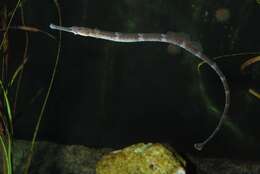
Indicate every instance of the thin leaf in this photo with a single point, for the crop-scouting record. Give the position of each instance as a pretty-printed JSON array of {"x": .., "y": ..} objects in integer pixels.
[
  {"x": 29, "y": 29},
  {"x": 5, "y": 155},
  {"x": 254, "y": 93},
  {"x": 9, "y": 23},
  {"x": 8, "y": 107},
  {"x": 29, "y": 159},
  {"x": 17, "y": 71}
]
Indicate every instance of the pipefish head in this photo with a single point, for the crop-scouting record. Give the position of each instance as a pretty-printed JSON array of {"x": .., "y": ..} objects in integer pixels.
[{"x": 75, "y": 30}]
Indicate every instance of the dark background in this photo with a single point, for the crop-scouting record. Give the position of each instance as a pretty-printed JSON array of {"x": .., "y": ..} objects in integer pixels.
[{"x": 109, "y": 94}]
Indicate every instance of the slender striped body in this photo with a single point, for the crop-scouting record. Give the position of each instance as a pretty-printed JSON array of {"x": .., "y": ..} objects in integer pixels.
[{"x": 170, "y": 38}]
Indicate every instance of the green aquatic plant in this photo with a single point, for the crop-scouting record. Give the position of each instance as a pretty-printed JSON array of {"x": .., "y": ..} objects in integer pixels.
[
  {"x": 6, "y": 139},
  {"x": 7, "y": 103}
]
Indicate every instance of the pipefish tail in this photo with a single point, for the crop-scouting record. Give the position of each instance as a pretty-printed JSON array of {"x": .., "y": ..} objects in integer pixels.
[{"x": 171, "y": 38}]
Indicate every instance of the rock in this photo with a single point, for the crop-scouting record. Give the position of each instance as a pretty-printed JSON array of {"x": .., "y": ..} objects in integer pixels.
[
  {"x": 54, "y": 158},
  {"x": 141, "y": 159}
]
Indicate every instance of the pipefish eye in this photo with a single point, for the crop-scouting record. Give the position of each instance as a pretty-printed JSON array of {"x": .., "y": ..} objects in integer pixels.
[{"x": 76, "y": 30}]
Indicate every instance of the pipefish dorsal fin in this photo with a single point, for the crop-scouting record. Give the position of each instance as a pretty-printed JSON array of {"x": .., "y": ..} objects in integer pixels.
[{"x": 182, "y": 37}]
